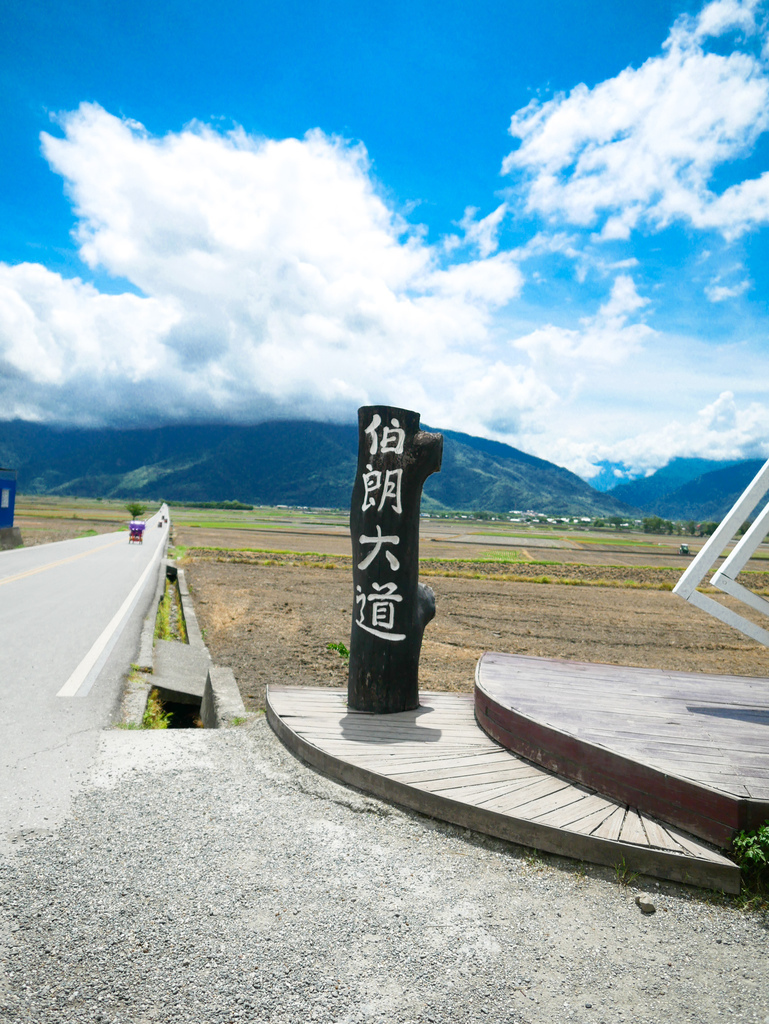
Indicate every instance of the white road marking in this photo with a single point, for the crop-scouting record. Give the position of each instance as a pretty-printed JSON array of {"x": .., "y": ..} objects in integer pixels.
[{"x": 79, "y": 676}]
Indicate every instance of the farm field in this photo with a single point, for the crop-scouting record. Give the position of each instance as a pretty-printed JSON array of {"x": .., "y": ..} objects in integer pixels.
[
  {"x": 44, "y": 520},
  {"x": 270, "y": 603},
  {"x": 272, "y": 588}
]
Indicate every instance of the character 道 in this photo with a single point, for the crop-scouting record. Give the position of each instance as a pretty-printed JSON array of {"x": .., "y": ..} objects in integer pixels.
[{"x": 391, "y": 608}]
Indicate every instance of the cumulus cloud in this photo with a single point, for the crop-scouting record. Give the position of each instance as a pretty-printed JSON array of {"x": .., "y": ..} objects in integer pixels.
[
  {"x": 717, "y": 292},
  {"x": 483, "y": 234},
  {"x": 642, "y": 147},
  {"x": 274, "y": 280},
  {"x": 606, "y": 337},
  {"x": 721, "y": 430}
]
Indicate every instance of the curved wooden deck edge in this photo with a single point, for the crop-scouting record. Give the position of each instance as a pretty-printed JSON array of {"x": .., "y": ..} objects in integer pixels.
[
  {"x": 577, "y": 846},
  {"x": 698, "y": 809},
  {"x": 711, "y": 816}
]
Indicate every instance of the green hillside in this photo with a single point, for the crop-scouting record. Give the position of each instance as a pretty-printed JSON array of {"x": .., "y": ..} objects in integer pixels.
[{"x": 287, "y": 462}]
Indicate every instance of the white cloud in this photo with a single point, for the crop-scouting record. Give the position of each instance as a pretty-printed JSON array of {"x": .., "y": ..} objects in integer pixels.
[
  {"x": 501, "y": 400},
  {"x": 274, "y": 279},
  {"x": 717, "y": 292},
  {"x": 642, "y": 147},
  {"x": 724, "y": 15},
  {"x": 483, "y": 233},
  {"x": 606, "y": 337},
  {"x": 723, "y": 429}
]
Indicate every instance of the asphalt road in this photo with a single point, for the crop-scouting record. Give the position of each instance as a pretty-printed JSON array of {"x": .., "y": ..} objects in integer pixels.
[{"x": 70, "y": 620}]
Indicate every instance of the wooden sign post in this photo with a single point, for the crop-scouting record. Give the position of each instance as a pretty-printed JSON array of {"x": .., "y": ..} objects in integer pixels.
[{"x": 391, "y": 608}]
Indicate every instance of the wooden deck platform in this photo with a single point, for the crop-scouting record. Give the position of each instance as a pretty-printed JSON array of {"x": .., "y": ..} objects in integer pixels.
[
  {"x": 691, "y": 749},
  {"x": 437, "y": 760}
]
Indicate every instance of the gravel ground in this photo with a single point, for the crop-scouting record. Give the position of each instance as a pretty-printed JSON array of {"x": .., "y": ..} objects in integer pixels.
[{"x": 210, "y": 877}]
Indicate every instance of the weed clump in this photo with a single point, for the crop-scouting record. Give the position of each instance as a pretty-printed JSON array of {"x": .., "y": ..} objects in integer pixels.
[{"x": 156, "y": 716}]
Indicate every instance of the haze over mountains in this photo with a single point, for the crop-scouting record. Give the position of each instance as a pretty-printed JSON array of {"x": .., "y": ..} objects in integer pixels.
[{"x": 313, "y": 463}]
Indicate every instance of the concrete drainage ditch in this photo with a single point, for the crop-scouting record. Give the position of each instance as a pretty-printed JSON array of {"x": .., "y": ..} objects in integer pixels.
[{"x": 191, "y": 691}]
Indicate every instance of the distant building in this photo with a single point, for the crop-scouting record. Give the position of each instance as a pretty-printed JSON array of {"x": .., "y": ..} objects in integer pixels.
[{"x": 10, "y": 535}]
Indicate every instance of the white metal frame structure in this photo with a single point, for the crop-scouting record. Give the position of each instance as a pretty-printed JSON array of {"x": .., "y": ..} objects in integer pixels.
[{"x": 726, "y": 577}]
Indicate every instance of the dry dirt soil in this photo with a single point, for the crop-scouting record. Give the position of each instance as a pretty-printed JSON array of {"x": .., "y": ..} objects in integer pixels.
[{"x": 271, "y": 623}]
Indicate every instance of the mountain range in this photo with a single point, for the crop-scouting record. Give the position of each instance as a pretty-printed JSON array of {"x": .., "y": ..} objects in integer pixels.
[
  {"x": 305, "y": 462},
  {"x": 690, "y": 488},
  {"x": 280, "y": 462}
]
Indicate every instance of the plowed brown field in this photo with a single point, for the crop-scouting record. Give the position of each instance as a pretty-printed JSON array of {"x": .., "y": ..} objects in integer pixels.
[{"x": 270, "y": 618}]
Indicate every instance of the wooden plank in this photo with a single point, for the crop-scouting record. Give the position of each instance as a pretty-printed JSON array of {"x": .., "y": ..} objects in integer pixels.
[
  {"x": 599, "y": 818},
  {"x": 658, "y": 835},
  {"x": 438, "y": 760},
  {"x": 611, "y": 827},
  {"x": 587, "y": 805},
  {"x": 568, "y": 795},
  {"x": 698, "y": 787},
  {"x": 477, "y": 771},
  {"x": 527, "y": 791},
  {"x": 632, "y": 829},
  {"x": 478, "y": 792},
  {"x": 438, "y": 756},
  {"x": 693, "y": 846},
  {"x": 379, "y": 749}
]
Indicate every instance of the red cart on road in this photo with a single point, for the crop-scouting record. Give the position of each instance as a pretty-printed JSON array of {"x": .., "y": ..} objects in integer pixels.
[{"x": 136, "y": 530}]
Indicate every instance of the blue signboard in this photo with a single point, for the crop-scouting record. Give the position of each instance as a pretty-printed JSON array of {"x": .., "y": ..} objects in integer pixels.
[{"x": 7, "y": 496}]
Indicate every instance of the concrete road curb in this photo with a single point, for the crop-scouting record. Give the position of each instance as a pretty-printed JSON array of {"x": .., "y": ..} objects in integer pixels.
[
  {"x": 194, "y": 636},
  {"x": 134, "y": 701},
  {"x": 144, "y": 661},
  {"x": 222, "y": 702}
]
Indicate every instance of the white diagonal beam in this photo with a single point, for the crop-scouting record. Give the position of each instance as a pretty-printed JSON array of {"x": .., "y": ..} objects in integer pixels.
[
  {"x": 725, "y": 578},
  {"x": 723, "y": 533}
]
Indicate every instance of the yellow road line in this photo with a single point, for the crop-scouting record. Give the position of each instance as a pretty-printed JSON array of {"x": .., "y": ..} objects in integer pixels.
[{"x": 62, "y": 561}]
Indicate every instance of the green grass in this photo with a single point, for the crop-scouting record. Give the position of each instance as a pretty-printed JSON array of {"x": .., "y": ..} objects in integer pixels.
[
  {"x": 209, "y": 525},
  {"x": 623, "y": 874},
  {"x": 163, "y": 617},
  {"x": 155, "y": 717},
  {"x": 626, "y": 542},
  {"x": 341, "y": 650},
  {"x": 501, "y": 533},
  {"x": 169, "y": 621}
]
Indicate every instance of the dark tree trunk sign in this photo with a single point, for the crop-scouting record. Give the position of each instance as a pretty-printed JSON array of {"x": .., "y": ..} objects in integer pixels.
[{"x": 391, "y": 608}]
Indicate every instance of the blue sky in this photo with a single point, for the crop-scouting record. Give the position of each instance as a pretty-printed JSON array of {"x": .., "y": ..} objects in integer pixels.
[{"x": 546, "y": 224}]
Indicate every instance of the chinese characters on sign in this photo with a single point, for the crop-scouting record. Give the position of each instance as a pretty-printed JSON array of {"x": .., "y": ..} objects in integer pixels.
[
  {"x": 378, "y": 607},
  {"x": 391, "y": 608}
]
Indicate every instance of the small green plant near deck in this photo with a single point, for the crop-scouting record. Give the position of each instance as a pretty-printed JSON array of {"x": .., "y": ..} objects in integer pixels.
[
  {"x": 238, "y": 720},
  {"x": 155, "y": 717},
  {"x": 623, "y": 874},
  {"x": 340, "y": 649},
  {"x": 751, "y": 851},
  {"x": 752, "y": 848}
]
